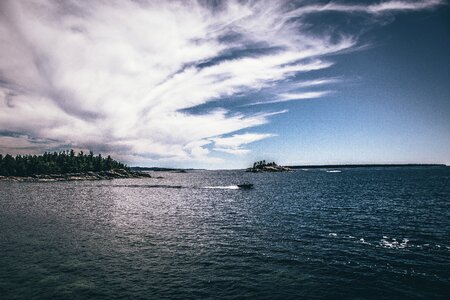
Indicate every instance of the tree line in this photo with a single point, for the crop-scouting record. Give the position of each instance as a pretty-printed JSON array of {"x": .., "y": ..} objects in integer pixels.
[
  {"x": 56, "y": 163},
  {"x": 261, "y": 164}
]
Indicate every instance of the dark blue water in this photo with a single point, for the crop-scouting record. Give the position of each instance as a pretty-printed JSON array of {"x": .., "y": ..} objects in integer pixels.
[{"x": 357, "y": 234}]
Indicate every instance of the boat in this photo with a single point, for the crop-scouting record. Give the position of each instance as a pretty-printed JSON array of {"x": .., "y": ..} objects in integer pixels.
[{"x": 245, "y": 186}]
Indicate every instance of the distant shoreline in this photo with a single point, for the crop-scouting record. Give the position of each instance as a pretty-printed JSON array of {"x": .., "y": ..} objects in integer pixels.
[
  {"x": 162, "y": 169},
  {"x": 181, "y": 170},
  {"x": 364, "y": 166},
  {"x": 141, "y": 172}
]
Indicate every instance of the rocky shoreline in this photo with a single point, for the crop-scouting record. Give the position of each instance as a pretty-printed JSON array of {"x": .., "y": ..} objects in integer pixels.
[
  {"x": 262, "y": 166},
  {"x": 102, "y": 175}
]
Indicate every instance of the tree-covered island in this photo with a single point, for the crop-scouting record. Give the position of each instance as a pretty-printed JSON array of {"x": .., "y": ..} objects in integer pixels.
[
  {"x": 65, "y": 165},
  {"x": 263, "y": 166}
]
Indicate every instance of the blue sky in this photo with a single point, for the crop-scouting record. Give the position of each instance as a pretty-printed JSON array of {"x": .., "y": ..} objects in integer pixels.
[
  {"x": 191, "y": 84},
  {"x": 393, "y": 105}
]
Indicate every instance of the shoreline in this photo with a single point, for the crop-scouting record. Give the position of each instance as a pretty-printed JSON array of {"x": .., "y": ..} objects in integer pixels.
[
  {"x": 364, "y": 166},
  {"x": 102, "y": 175},
  {"x": 126, "y": 174}
]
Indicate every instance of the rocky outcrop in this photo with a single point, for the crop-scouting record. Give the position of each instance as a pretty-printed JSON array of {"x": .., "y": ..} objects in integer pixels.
[
  {"x": 267, "y": 167},
  {"x": 102, "y": 175}
]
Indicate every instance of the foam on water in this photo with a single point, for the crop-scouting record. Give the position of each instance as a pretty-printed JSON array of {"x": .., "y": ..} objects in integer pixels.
[
  {"x": 393, "y": 243},
  {"x": 390, "y": 243},
  {"x": 363, "y": 241},
  {"x": 223, "y": 187}
]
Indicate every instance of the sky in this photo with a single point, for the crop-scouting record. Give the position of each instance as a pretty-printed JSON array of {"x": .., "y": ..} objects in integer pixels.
[{"x": 221, "y": 84}]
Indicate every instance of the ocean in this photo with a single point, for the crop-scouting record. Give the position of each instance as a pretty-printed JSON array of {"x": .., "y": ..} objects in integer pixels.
[{"x": 362, "y": 233}]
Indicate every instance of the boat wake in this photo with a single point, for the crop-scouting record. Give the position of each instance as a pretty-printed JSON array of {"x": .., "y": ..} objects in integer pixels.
[
  {"x": 223, "y": 187},
  {"x": 148, "y": 186}
]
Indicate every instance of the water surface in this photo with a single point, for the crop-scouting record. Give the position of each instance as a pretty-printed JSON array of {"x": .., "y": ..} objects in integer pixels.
[{"x": 360, "y": 233}]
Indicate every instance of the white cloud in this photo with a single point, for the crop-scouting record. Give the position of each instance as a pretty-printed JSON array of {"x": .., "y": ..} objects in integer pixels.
[
  {"x": 236, "y": 140},
  {"x": 234, "y": 144},
  {"x": 233, "y": 151},
  {"x": 377, "y": 8},
  {"x": 284, "y": 97},
  {"x": 317, "y": 82},
  {"x": 117, "y": 76}
]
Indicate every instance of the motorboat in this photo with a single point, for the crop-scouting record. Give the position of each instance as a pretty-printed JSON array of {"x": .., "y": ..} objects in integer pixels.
[{"x": 245, "y": 186}]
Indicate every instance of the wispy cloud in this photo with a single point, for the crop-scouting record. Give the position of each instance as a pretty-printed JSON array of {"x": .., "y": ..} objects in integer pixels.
[
  {"x": 117, "y": 76},
  {"x": 317, "y": 82},
  {"x": 234, "y": 144},
  {"x": 233, "y": 151},
  {"x": 377, "y": 8},
  {"x": 293, "y": 96}
]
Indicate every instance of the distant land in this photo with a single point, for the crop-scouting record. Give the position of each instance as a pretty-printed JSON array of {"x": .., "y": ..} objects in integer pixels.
[
  {"x": 364, "y": 166},
  {"x": 182, "y": 170},
  {"x": 160, "y": 169}
]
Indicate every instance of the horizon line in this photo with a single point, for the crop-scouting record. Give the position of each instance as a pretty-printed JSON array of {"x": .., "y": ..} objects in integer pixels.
[{"x": 313, "y": 166}]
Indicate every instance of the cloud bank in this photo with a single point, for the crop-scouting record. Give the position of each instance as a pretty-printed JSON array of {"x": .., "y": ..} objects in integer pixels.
[{"x": 120, "y": 76}]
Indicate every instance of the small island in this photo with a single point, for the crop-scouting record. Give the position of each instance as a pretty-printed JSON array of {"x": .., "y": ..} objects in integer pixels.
[
  {"x": 64, "y": 166},
  {"x": 262, "y": 166}
]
